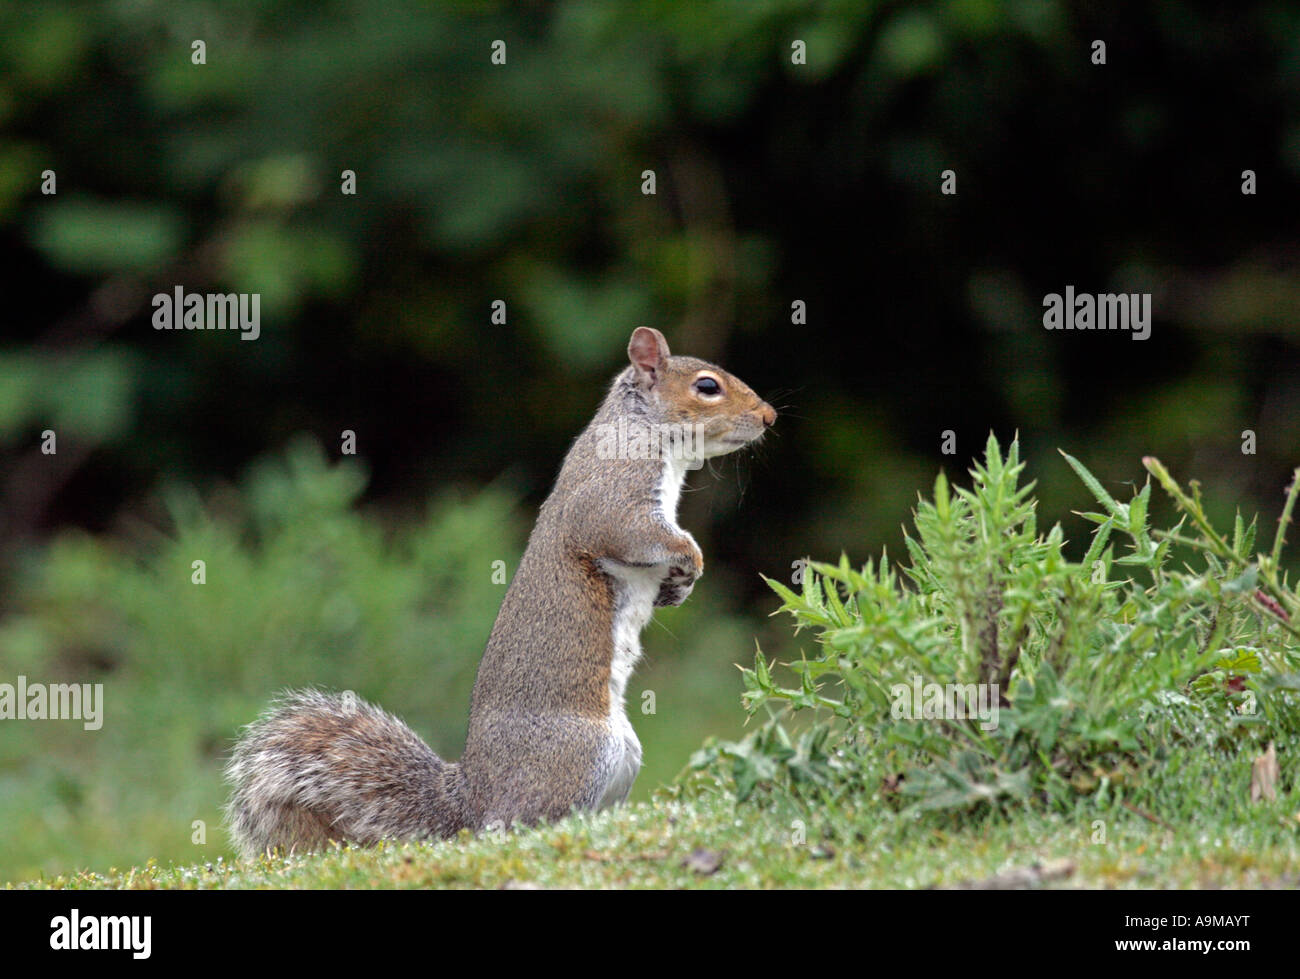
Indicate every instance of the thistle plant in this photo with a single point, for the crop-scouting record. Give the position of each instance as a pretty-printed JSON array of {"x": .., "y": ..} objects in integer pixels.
[{"x": 992, "y": 669}]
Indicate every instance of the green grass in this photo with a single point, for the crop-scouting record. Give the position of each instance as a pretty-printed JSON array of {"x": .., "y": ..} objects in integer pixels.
[
  {"x": 1192, "y": 825},
  {"x": 1215, "y": 839}
]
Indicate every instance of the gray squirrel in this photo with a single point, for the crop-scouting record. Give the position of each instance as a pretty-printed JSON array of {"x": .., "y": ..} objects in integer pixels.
[{"x": 548, "y": 731}]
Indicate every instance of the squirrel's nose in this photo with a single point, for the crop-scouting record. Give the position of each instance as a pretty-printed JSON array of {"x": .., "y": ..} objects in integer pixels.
[{"x": 768, "y": 414}]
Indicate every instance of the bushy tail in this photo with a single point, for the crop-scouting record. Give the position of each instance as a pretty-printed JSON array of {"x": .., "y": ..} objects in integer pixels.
[{"x": 319, "y": 767}]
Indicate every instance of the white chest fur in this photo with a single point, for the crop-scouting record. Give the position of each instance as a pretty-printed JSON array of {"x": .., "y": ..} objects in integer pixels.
[
  {"x": 637, "y": 589},
  {"x": 635, "y": 593}
]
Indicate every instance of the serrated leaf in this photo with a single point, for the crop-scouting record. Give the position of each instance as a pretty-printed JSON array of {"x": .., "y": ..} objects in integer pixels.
[
  {"x": 1099, "y": 538},
  {"x": 791, "y": 600},
  {"x": 1094, "y": 486},
  {"x": 1137, "y": 514},
  {"x": 836, "y": 606}
]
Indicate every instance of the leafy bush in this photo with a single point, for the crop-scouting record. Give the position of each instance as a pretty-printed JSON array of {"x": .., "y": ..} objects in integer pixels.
[
  {"x": 302, "y": 588},
  {"x": 1091, "y": 671}
]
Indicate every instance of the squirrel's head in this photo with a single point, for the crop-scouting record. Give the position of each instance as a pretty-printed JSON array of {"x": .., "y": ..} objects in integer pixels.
[{"x": 695, "y": 394}]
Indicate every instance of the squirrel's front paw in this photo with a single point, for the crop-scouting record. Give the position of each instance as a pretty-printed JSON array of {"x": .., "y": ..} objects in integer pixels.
[
  {"x": 685, "y": 565},
  {"x": 687, "y": 559},
  {"x": 673, "y": 591},
  {"x": 674, "y": 588}
]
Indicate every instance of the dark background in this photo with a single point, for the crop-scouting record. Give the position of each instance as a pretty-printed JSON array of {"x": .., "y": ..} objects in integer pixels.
[{"x": 776, "y": 182}]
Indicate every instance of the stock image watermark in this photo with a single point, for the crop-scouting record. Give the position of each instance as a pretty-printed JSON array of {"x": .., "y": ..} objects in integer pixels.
[
  {"x": 181, "y": 310},
  {"x": 102, "y": 932},
  {"x": 950, "y": 701},
  {"x": 637, "y": 440},
  {"x": 25, "y": 701},
  {"x": 1106, "y": 311}
]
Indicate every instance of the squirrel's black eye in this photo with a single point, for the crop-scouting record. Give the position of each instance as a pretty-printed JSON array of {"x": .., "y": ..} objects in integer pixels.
[{"x": 707, "y": 385}]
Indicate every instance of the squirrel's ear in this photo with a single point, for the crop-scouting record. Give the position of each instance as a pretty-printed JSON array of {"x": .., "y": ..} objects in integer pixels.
[{"x": 648, "y": 350}]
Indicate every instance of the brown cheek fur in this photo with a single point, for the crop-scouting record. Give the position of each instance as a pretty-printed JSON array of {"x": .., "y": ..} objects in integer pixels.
[{"x": 688, "y": 409}]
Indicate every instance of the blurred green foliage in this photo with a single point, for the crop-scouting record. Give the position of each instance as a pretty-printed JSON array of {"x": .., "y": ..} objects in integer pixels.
[{"x": 300, "y": 589}]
